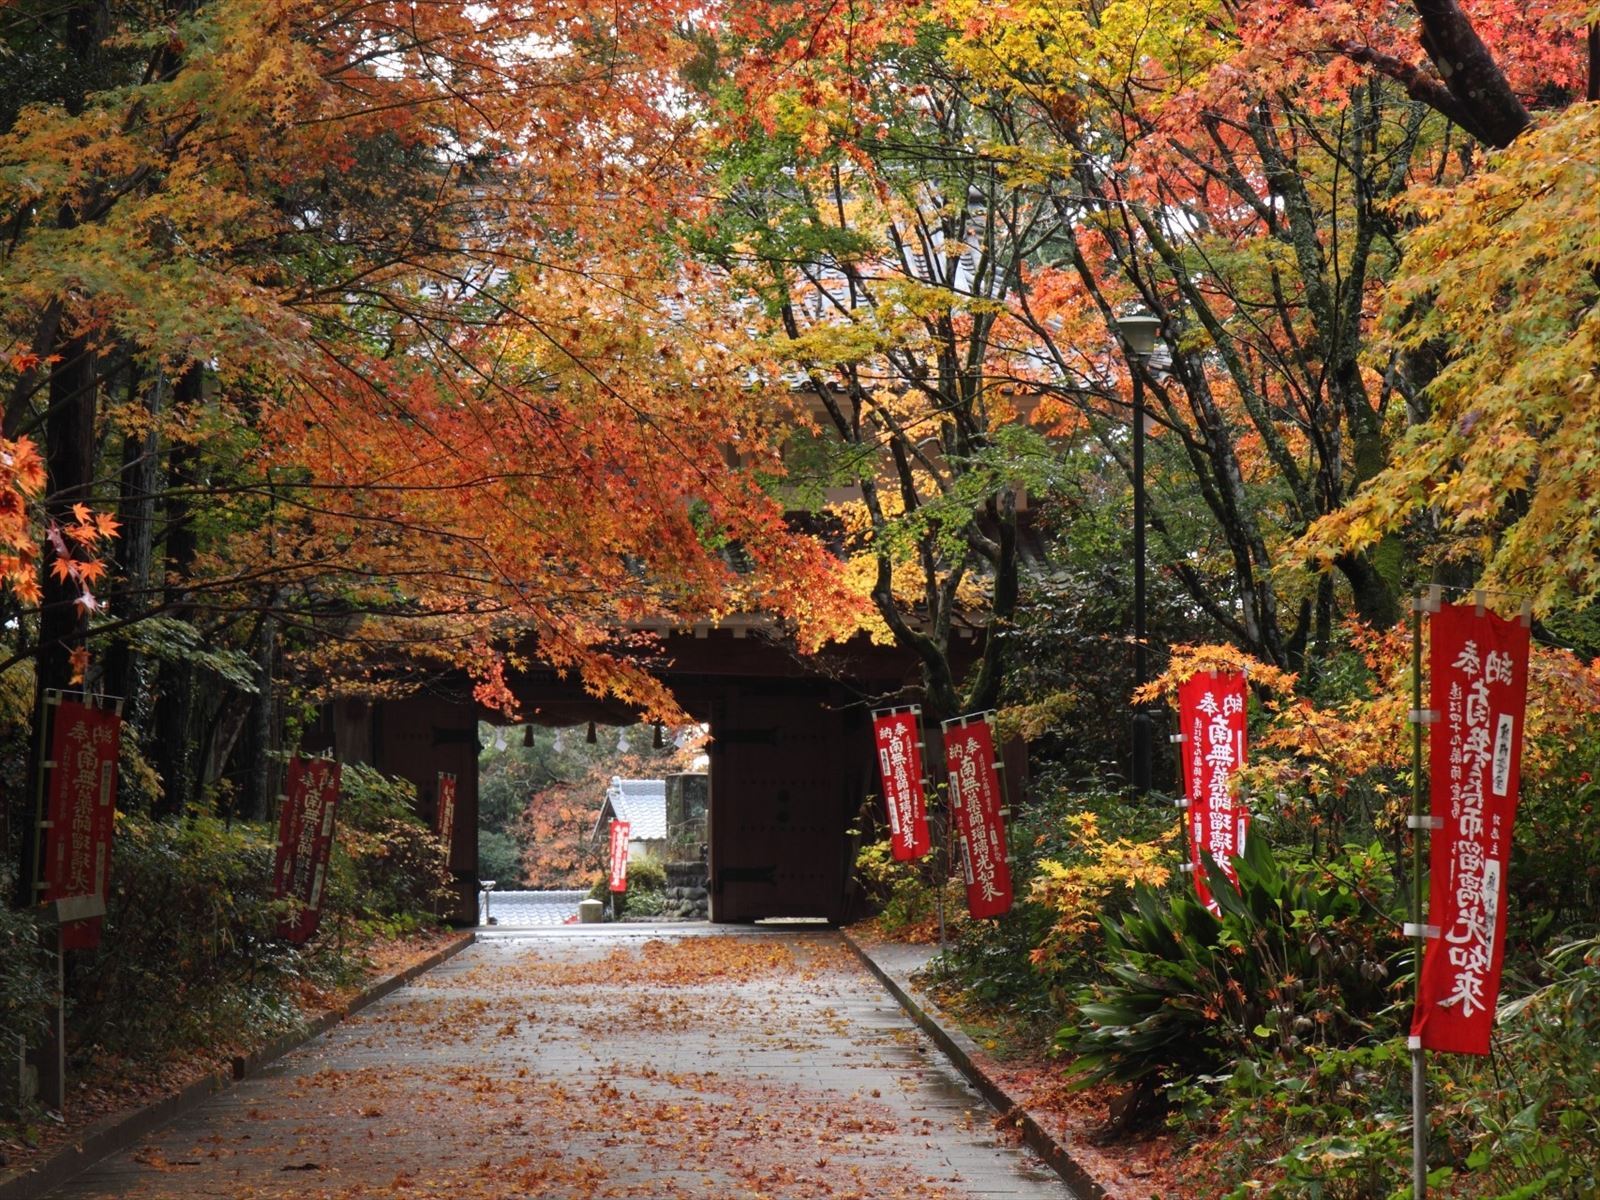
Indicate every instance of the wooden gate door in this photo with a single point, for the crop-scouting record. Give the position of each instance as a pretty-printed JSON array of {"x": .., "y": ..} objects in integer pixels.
[{"x": 785, "y": 782}]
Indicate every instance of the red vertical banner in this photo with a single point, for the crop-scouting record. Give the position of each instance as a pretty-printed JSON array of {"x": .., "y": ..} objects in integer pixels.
[
  {"x": 620, "y": 831},
  {"x": 291, "y": 806},
  {"x": 81, "y": 812},
  {"x": 445, "y": 817},
  {"x": 1478, "y": 692},
  {"x": 899, "y": 742},
  {"x": 977, "y": 802},
  {"x": 1212, "y": 717},
  {"x": 305, "y": 843}
]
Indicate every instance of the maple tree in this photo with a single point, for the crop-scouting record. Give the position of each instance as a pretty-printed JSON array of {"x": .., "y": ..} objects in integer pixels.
[
  {"x": 879, "y": 255},
  {"x": 360, "y": 320},
  {"x": 1500, "y": 468},
  {"x": 945, "y": 207},
  {"x": 1234, "y": 171}
]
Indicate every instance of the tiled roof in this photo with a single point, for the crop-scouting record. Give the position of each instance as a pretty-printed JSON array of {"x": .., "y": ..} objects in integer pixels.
[{"x": 642, "y": 803}]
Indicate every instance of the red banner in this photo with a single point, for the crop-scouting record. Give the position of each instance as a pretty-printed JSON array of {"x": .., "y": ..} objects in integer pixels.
[
  {"x": 445, "y": 817},
  {"x": 305, "y": 841},
  {"x": 976, "y": 800},
  {"x": 619, "y": 855},
  {"x": 1211, "y": 714},
  {"x": 900, "y": 764},
  {"x": 1478, "y": 692},
  {"x": 82, "y": 812}
]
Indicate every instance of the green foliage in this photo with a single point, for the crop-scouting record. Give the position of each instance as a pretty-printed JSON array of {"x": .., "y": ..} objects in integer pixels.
[
  {"x": 997, "y": 972},
  {"x": 1329, "y": 1123},
  {"x": 646, "y": 874},
  {"x": 902, "y": 892},
  {"x": 25, "y": 978},
  {"x": 1001, "y": 967},
  {"x": 499, "y": 859},
  {"x": 992, "y": 962},
  {"x": 644, "y": 904},
  {"x": 1297, "y": 957},
  {"x": 647, "y": 886},
  {"x": 1068, "y": 645},
  {"x": 1553, "y": 890},
  {"x": 168, "y": 640},
  {"x": 1534, "y": 1125},
  {"x": 390, "y": 864},
  {"x": 1336, "y": 1123},
  {"x": 188, "y": 956}
]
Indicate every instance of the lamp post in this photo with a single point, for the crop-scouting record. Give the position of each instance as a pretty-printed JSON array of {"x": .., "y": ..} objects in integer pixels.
[{"x": 1138, "y": 330}]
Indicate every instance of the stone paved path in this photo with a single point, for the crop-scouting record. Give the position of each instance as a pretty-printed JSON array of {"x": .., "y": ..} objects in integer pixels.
[{"x": 584, "y": 1063}]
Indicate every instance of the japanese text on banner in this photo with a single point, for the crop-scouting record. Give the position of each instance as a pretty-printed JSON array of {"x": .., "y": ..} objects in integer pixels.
[
  {"x": 620, "y": 832},
  {"x": 1479, "y": 665},
  {"x": 900, "y": 767},
  {"x": 305, "y": 842},
  {"x": 975, "y": 800},
  {"x": 1212, "y": 714},
  {"x": 82, "y": 812},
  {"x": 445, "y": 824}
]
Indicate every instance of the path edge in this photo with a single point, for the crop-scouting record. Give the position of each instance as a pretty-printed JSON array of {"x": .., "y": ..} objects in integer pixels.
[
  {"x": 960, "y": 1050},
  {"x": 121, "y": 1130}
]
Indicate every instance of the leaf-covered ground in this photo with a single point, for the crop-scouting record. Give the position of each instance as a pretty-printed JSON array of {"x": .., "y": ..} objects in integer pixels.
[
  {"x": 114, "y": 1086},
  {"x": 1013, "y": 1054},
  {"x": 616, "y": 1064}
]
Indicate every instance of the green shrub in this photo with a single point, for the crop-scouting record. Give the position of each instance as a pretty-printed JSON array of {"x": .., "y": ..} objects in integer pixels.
[
  {"x": 190, "y": 956},
  {"x": 1331, "y": 1123},
  {"x": 1336, "y": 1123},
  {"x": 644, "y": 904},
  {"x": 646, "y": 874},
  {"x": 646, "y": 877},
  {"x": 902, "y": 893},
  {"x": 189, "y": 953},
  {"x": 1013, "y": 967},
  {"x": 1553, "y": 890},
  {"x": 1297, "y": 957},
  {"x": 388, "y": 863},
  {"x": 1532, "y": 1127},
  {"x": 26, "y": 980},
  {"x": 991, "y": 962}
]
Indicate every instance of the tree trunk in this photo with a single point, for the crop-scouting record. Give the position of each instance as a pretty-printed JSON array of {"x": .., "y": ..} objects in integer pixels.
[
  {"x": 260, "y": 778},
  {"x": 174, "y": 750},
  {"x": 1470, "y": 73},
  {"x": 63, "y": 624},
  {"x": 136, "y": 513}
]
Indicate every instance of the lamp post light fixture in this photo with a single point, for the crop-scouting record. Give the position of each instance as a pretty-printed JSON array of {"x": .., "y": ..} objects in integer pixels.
[{"x": 1139, "y": 330}]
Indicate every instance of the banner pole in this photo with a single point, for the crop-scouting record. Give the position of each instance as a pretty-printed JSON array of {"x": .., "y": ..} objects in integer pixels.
[
  {"x": 941, "y": 869},
  {"x": 1419, "y": 1082},
  {"x": 50, "y": 1060},
  {"x": 1005, "y": 786},
  {"x": 52, "y": 699},
  {"x": 944, "y": 874}
]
